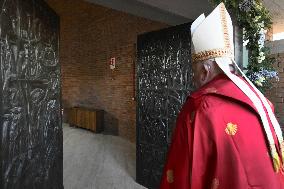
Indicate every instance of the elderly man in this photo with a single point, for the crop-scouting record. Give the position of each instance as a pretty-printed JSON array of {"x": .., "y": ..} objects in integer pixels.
[{"x": 226, "y": 134}]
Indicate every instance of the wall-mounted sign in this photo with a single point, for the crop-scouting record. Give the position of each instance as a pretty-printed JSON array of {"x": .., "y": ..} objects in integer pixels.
[{"x": 112, "y": 63}]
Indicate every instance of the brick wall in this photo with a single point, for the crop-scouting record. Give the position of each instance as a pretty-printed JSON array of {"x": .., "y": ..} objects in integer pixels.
[
  {"x": 89, "y": 36},
  {"x": 276, "y": 95}
]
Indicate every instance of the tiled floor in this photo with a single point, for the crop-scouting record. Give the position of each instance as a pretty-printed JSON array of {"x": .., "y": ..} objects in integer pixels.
[{"x": 96, "y": 161}]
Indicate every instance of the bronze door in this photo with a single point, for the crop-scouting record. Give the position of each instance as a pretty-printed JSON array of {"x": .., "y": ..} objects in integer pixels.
[
  {"x": 30, "y": 124},
  {"x": 163, "y": 83}
]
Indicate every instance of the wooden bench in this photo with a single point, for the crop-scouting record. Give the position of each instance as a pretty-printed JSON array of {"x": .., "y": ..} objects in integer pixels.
[{"x": 87, "y": 118}]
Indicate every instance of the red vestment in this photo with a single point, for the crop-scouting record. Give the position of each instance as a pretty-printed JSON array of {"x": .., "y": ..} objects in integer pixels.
[{"x": 219, "y": 142}]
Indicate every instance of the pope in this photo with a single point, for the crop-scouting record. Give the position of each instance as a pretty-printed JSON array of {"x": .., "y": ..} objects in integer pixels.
[{"x": 226, "y": 134}]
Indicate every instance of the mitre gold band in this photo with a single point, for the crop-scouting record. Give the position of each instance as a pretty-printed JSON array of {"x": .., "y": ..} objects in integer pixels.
[{"x": 205, "y": 55}]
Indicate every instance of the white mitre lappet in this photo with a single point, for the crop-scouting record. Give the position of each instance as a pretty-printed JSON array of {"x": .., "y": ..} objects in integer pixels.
[{"x": 212, "y": 38}]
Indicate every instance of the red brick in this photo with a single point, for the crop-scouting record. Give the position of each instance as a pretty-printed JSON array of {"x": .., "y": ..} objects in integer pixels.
[{"x": 90, "y": 35}]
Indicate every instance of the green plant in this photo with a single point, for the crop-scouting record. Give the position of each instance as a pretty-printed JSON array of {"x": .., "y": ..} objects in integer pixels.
[{"x": 255, "y": 20}]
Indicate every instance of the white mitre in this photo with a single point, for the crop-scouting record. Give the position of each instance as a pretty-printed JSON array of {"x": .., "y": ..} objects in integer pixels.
[{"x": 212, "y": 38}]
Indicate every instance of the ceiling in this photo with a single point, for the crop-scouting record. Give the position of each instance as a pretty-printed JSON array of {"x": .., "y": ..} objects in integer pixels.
[
  {"x": 174, "y": 12},
  {"x": 187, "y": 8}
]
